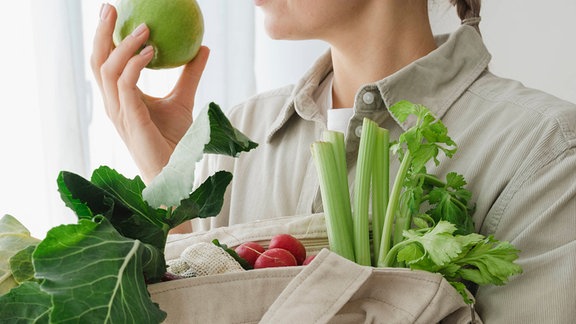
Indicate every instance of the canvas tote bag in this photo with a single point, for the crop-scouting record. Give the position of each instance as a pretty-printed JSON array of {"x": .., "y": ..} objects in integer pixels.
[{"x": 331, "y": 289}]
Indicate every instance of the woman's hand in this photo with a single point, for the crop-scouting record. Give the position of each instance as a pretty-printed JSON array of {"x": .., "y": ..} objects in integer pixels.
[{"x": 150, "y": 127}]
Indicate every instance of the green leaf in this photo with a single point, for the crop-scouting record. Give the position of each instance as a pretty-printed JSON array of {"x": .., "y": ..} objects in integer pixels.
[
  {"x": 14, "y": 237},
  {"x": 79, "y": 206},
  {"x": 126, "y": 191},
  {"x": 450, "y": 203},
  {"x": 21, "y": 265},
  {"x": 402, "y": 109},
  {"x": 27, "y": 303},
  {"x": 411, "y": 253},
  {"x": 490, "y": 262},
  {"x": 438, "y": 243},
  {"x": 118, "y": 199},
  {"x": 455, "y": 181},
  {"x": 224, "y": 138},
  {"x": 142, "y": 222},
  {"x": 211, "y": 132},
  {"x": 87, "y": 199},
  {"x": 91, "y": 260},
  {"x": 205, "y": 201},
  {"x": 462, "y": 290}
]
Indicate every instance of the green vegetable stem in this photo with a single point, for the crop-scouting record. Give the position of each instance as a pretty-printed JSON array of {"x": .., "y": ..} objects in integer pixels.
[{"x": 422, "y": 222}]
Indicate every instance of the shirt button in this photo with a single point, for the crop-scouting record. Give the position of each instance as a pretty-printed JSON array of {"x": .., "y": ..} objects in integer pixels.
[
  {"x": 368, "y": 98},
  {"x": 358, "y": 131}
]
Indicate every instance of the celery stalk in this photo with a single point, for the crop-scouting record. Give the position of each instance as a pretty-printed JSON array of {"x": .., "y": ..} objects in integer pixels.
[
  {"x": 333, "y": 196},
  {"x": 338, "y": 145},
  {"x": 385, "y": 243},
  {"x": 380, "y": 188},
  {"x": 361, "y": 205}
]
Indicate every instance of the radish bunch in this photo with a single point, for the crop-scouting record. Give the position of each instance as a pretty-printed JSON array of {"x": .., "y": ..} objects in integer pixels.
[{"x": 284, "y": 250}]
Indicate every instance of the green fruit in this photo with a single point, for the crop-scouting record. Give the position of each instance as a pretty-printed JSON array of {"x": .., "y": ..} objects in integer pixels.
[{"x": 176, "y": 28}]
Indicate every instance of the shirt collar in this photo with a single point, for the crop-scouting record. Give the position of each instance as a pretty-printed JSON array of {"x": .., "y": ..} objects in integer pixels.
[
  {"x": 436, "y": 80},
  {"x": 302, "y": 98}
]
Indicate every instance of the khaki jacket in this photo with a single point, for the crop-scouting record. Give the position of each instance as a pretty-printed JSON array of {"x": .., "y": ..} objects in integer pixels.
[{"x": 517, "y": 150}]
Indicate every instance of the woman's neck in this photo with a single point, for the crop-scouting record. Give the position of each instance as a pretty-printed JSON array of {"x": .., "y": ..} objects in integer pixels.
[{"x": 391, "y": 42}]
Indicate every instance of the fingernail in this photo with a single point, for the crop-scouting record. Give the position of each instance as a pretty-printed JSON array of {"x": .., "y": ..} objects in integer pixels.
[
  {"x": 147, "y": 50},
  {"x": 139, "y": 30},
  {"x": 104, "y": 11}
]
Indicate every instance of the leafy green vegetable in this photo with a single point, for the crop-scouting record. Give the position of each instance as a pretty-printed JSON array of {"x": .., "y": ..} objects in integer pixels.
[
  {"x": 91, "y": 259},
  {"x": 27, "y": 303},
  {"x": 473, "y": 257},
  {"x": 211, "y": 132},
  {"x": 450, "y": 201},
  {"x": 13, "y": 238},
  {"x": 206, "y": 201},
  {"x": 428, "y": 222},
  {"x": 22, "y": 266},
  {"x": 224, "y": 138},
  {"x": 116, "y": 198},
  {"x": 97, "y": 270}
]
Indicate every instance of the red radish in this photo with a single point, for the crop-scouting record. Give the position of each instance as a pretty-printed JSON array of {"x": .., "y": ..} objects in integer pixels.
[
  {"x": 290, "y": 243},
  {"x": 308, "y": 259},
  {"x": 275, "y": 257},
  {"x": 249, "y": 251}
]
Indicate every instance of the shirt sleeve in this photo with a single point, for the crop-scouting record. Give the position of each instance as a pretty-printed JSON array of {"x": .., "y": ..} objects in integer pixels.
[{"x": 540, "y": 220}]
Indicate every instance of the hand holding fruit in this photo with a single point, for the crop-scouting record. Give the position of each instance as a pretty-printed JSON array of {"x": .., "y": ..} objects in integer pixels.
[{"x": 150, "y": 127}]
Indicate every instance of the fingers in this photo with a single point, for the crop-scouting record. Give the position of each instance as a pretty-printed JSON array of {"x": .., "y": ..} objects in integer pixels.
[
  {"x": 102, "y": 43},
  {"x": 129, "y": 95},
  {"x": 120, "y": 72},
  {"x": 185, "y": 89}
]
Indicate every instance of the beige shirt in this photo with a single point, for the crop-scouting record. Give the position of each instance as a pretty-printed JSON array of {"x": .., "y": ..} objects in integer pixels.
[{"x": 516, "y": 150}]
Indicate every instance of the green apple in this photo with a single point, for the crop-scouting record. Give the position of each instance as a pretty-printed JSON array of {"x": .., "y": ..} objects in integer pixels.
[{"x": 176, "y": 28}]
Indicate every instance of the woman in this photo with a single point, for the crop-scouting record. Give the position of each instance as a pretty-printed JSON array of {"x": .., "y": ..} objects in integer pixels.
[{"x": 517, "y": 146}]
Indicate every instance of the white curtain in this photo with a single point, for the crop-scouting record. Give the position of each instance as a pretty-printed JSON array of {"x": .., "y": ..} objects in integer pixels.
[{"x": 45, "y": 115}]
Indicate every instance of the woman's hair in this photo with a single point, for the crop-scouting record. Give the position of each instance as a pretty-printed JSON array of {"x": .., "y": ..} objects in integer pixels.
[{"x": 468, "y": 11}]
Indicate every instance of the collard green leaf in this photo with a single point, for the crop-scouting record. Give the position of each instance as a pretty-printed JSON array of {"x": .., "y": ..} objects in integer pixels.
[
  {"x": 77, "y": 205},
  {"x": 211, "y": 132},
  {"x": 127, "y": 191},
  {"x": 117, "y": 198},
  {"x": 94, "y": 274},
  {"x": 21, "y": 265},
  {"x": 143, "y": 223},
  {"x": 205, "y": 201},
  {"x": 176, "y": 180},
  {"x": 87, "y": 199},
  {"x": 13, "y": 238},
  {"x": 224, "y": 138},
  {"x": 27, "y": 303}
]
